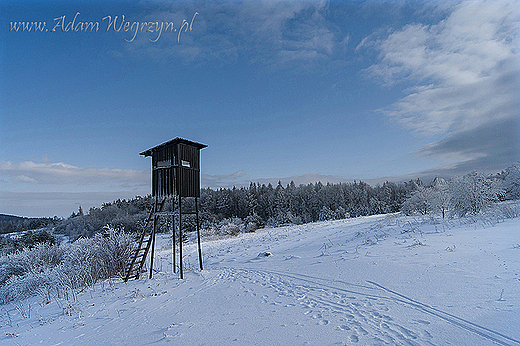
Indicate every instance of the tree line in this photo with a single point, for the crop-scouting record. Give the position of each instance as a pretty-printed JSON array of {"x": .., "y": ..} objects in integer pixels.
[
  {"x": 10, "y": 224},
  {"x": 234, "y": 210}
]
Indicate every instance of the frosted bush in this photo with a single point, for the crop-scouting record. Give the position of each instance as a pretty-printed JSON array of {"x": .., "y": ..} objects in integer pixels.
[
  {"x": 230, "y": 226},
  {"x": 48, "y": 269},
  {"x": 509, "y": 210},
  {"x": 340, "y": 213},
  {"x": 226, "y": 227},
  {"x": 512, "y": 181},
  {"x": 253, "y": 222},
  {"x": 10, "y": 266},
  {"x": 284, "y": 218},
  {"x": 32, "y": 260},
  {"x": 112, "y": 251},
  {"x": 22, "y": 287},
  {"x": 79, "y": 265},
  {"x": 501, "y": 211},
  {"x": 420, "y": 201}
]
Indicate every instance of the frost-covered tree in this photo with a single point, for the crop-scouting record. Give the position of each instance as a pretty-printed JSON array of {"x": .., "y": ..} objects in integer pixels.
[
  {"x": 377, "y": 206},
  {"x": 511, "y": 182},
  {"x": 441, "y": 196},
  {"x": 473, "y": 192},
  {"x": 326, "y": 214},
  {"x": 421, "y": 201},
  {"x": 340, "y": 213}
]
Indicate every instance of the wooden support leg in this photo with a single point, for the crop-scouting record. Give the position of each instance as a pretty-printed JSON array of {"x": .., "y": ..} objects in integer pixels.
[
  {"x": 180, "y": 238},
  {"x": 173, "y": 239},
  {"x": 198, "y": 230},
  {"x": 155, "y": 222}
]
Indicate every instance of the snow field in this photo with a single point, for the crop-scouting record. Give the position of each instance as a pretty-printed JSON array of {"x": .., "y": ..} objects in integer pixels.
[{"x": 378, "y": 280}]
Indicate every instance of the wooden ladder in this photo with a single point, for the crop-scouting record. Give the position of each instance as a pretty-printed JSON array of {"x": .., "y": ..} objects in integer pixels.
[{"x": 146, "y": 241}]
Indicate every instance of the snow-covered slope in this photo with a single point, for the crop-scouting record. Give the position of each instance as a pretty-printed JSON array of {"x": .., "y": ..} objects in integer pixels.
[{"x": 372, "y": 281}]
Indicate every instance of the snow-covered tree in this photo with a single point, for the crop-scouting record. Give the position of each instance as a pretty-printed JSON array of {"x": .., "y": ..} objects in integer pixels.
[
  {"x": 473, "y": 192},
  {"x": 441, "y": 196},
  {"x": 326, "y": 214},
  {"x": 340, "y": 213},
  {"x": 512, "y": 181},
  {"x": 421, "y": 201}
]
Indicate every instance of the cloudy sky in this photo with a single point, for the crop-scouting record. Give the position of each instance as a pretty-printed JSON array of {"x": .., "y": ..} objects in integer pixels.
[{"x": 302, "y": 90}]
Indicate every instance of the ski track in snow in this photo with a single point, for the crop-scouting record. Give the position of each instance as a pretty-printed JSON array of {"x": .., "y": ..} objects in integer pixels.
[
  {"x": 360, "y": 310},
  {"x": 361, "y": 313}
]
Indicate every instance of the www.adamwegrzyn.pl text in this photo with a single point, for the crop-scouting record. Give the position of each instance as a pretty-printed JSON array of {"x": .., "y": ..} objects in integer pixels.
[{"x": 117, "y": 24}]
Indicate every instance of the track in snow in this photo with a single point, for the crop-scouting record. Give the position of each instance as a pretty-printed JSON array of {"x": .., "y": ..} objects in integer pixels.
[{"x": 362, "y": 311}]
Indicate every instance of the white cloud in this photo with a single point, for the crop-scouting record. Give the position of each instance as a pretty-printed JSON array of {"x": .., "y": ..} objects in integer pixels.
[
  {"x": 276, "y": 34},
  {"x": 59, "y": 173},
  {"x": 466, "y": 68},
  {"x": 465, "y": 71},
  {"x": 292, "y": 34},
  {"x": 56, "y": 188}
]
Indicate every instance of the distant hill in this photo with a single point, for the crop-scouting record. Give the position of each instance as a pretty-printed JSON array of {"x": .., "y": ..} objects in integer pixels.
[
  {"x": 12, "y": 223},
  {"x": 12, "y": 218}
]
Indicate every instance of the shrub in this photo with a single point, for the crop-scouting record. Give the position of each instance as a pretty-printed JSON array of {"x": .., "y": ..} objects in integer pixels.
[
  {"x": 30, "y": 239},
  {"x": 253, "y": 222},
  {"x": 230, "y": 226},
  {"x": 50, "y": 268}
]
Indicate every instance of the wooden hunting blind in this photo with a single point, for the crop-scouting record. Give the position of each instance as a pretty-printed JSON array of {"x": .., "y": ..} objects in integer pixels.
[
  {"x": 175, "y": 175},
  {"x": 175, "y": 168}
]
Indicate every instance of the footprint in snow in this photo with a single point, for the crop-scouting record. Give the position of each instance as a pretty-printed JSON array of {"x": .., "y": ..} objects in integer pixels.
[
  {"x": 343, "y": 327},
  {"x": 261, "y": 255},
  {"x": 290, "y": 257}
]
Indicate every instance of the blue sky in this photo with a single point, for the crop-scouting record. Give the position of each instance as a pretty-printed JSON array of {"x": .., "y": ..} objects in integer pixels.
[{"x": 278, "y": 90}]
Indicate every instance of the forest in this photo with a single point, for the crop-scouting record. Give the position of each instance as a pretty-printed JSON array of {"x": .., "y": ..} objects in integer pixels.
[{"x": 244, "y": 209}]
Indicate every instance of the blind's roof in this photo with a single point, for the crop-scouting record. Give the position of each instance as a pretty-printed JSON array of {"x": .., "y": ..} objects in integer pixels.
[{"x": 172, "y": 142}]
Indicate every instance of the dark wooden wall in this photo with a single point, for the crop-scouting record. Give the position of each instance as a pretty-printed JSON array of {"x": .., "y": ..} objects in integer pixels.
[{"x": 176, "y": 170}]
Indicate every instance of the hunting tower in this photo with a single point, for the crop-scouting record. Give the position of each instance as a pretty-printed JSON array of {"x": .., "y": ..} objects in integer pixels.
[{"x": 175, "y": 175}]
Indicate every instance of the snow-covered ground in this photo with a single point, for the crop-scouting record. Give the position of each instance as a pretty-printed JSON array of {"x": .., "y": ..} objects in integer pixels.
[{"x": 380, "y": 280}]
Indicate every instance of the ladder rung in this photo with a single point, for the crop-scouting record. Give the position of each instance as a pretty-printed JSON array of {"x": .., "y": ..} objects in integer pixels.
[{"x": 164, "y": 213}]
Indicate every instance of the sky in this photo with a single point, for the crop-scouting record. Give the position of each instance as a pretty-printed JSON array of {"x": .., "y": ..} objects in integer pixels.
[{"x": 278, "y": 90}]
